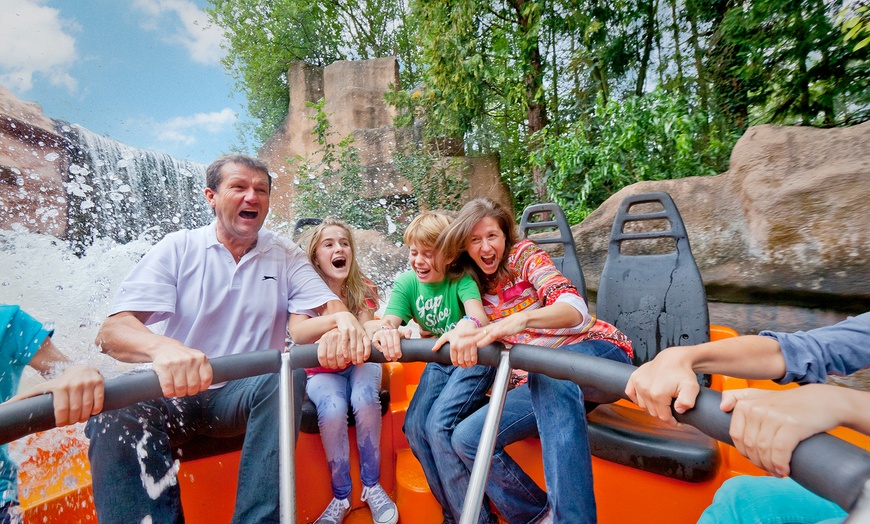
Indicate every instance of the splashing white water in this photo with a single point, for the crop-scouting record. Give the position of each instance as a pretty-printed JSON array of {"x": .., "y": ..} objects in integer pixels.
[
  {"x": 42, "y": 275},
  {"x": 153, "y": 486}
]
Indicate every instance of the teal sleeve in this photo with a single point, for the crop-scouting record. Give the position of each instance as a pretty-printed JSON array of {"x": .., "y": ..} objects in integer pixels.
[
  {"x": 21, "y": 335},
  {"x": 20, "y": 338}
]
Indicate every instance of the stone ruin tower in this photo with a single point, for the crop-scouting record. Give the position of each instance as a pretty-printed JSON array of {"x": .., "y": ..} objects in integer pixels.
[{"x": 354, "y": 102}]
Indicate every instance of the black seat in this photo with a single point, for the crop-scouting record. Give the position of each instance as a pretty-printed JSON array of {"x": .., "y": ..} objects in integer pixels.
[
  {"x": 546, "y": 217},
  {"x": 567, "y": 264},
  {"x": 651, "y": 289},
  {"x": 302, "y": 224},
  {"x": 656, "y": 298}
]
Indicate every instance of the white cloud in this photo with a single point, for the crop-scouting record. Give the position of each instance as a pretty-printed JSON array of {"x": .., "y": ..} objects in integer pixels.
[
  {"x": 184, "y": 129},
  {"x": 34, "y": 42},
  {"x": 182, "y": 22}
]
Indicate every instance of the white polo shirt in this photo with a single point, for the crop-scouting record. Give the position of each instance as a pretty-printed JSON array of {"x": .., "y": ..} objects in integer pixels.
[{"x": 212, "y": 304}]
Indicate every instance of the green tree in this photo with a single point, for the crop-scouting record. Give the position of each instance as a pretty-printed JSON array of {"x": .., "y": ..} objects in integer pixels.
[
  {"x": 651, "y": 137},
  {"x": 484, "y": 60},
  {"x": 575, "y": 97},
  {"x": 856, "y": 24},
  {"x": 796, "y": 64}
]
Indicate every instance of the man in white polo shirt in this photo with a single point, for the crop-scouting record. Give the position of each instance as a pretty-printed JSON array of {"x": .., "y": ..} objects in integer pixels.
[{"x": 222, "y": 289}]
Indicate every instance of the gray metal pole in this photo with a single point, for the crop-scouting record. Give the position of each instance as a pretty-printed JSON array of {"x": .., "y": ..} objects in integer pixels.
[
  {"x": 287, "y": 443},
  {"x": 477, "y": 483}
]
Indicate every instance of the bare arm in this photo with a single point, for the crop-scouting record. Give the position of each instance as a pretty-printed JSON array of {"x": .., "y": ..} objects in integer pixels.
[
  {"x": 342, "y": 338},
  {"x": 766, "y": 426},
  {"x": 78, "y": 391},
  {"x": 556, "y": 315},
  {"x": 464, "y": 336},
  {"x": 181, "y": 370},
  {"x": 671, "y": 374},
  {"x": 307, "y": 330},
  {"x": 386, "y": 336}
]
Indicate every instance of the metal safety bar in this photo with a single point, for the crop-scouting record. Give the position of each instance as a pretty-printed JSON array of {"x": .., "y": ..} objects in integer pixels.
[
  {"x": 486, "y": 446},
  {"x": 287, "y": 442},
  {"x": 824, "y": 464}
]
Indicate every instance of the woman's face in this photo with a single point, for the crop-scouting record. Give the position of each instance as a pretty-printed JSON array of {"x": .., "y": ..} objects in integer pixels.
[
  {"x": 333, "y": 254},
  {"x": 485, "y": 245}
]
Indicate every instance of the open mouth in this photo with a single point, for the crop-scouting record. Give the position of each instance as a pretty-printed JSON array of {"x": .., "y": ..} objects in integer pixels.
[
  {"x": 250, "y": 215},
  {"x": 490, "y": 260},
  {"x": 339, "y": 262}
]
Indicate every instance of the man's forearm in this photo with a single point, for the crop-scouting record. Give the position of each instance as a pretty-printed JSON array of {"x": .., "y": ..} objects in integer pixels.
[{"x": 125, "y": 337}]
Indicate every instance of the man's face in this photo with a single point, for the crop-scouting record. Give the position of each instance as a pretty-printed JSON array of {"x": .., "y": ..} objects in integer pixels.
[{"x": 240, "y": 203}]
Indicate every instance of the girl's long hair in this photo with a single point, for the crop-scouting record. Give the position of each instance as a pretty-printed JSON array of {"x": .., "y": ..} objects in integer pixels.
[
  {"x": 358, "y": 292},
  {"x": 453, "y": 242}
]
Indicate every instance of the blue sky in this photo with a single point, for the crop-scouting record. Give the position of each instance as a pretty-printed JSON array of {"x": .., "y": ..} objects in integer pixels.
[{"x": 144, "y": 72}]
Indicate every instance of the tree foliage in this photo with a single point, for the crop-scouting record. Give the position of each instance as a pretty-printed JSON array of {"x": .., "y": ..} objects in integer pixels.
[
  {"x": 579, "y": 97},
  {"x": 653, "y": 137}
]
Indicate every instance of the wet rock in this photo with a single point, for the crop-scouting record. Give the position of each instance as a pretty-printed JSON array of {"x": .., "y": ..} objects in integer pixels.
[
  {"x": 785, "y": 226},
  {"x": 31, "y": 163}
]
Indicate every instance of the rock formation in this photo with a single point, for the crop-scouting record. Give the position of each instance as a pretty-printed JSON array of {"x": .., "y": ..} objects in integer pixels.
[
  {"x": 31, "y": 167},
  {"x": 784, "y": 225},
  {"x": 353, "y": 92}
]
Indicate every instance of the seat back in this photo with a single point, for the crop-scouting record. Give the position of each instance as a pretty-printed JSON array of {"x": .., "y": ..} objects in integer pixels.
[
  {"x": 656, "y": 298},
  {"x": 539, "y": 217},
  {"x": 302, "y": 224}
]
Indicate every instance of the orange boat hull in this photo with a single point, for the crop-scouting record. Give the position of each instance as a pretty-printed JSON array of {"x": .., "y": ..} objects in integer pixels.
[{"x": 208, "y": 485}]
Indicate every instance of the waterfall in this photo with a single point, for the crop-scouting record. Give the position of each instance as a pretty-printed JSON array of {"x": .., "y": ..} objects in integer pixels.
[{"x": 120, "y": 192}]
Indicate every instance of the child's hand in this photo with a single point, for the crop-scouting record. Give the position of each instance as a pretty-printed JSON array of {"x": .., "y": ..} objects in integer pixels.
[
  {"x": 463, "y": 343},
  {"x": 78, "y": 394},
  {"x": 388, "y": 341}
]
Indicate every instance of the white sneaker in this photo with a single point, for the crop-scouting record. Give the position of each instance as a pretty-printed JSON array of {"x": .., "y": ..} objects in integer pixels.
[
  {"x": 383, "y": 508},
  {"x": 335, "y": 512}
]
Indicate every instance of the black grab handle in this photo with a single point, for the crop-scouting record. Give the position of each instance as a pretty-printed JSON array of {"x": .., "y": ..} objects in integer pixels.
[
  {"x": 29, "y": 415},
  {"x": 413, "y": 350},
  {"x": 824, "y": 464}
]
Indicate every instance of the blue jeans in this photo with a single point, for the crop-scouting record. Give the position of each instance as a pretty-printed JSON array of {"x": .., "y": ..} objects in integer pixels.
[
  {"x": 133, "y": 470},
  {"x": 556, "y": 409},
  {"x": 517, "y": 497},
  {"x": 769, "y": 500},
  {"x": 445, "y": 396},
  {"x": 10, "y": 513},
  {"x": 331, "y": 392}
]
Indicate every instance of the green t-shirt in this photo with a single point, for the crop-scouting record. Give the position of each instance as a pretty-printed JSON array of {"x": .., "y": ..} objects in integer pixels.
[{"x": 435, "y": 307}]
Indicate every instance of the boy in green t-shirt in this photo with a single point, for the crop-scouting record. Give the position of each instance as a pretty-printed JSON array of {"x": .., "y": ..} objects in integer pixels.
[{"x": 446, "y": 394}]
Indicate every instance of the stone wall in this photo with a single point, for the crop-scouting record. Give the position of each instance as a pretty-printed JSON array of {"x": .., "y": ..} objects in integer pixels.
[
  {"x": 785, "y": 225},
  {"x": 353, "y": 92},
  {"x": 31, "y": 163}
]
